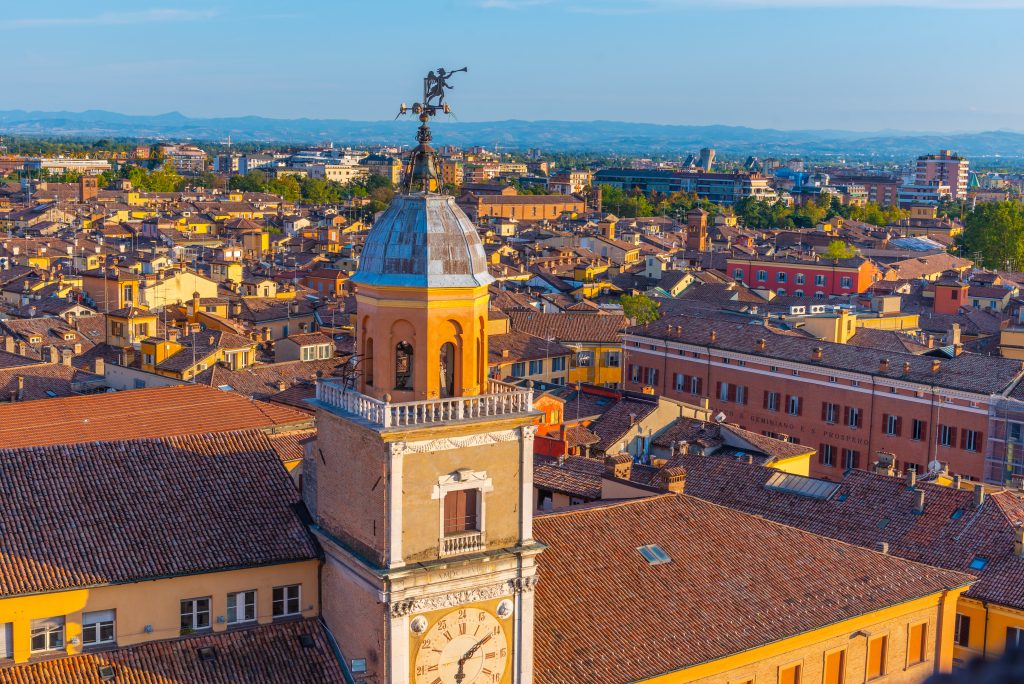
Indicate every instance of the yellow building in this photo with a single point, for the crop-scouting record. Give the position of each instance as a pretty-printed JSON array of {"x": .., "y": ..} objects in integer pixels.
[
  {"x": 141, "y": 559},
  {"x": 595, "y": 338},
  {"x": 714, "y": 596}
]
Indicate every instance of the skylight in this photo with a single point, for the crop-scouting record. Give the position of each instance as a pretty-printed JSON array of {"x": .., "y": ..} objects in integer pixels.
[
  {"x": 802, "y": 486},
  {"x": 654, "y": 554},
  {"x": 978, "y": 563}
]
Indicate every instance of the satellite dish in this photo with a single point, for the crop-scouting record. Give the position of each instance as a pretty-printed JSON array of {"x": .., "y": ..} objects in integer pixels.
[
  {"x": 719, "y": 417},
  {"x": 935, "y": 466}
]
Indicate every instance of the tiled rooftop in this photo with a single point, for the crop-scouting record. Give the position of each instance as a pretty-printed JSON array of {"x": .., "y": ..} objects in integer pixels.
[
  {"x": 604, "y": 614},
  {"x": 127, "y": 511}
]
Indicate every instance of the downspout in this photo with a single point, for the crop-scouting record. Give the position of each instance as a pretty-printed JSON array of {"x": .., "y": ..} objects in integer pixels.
[
  {"x": 984, "y": 634},
  {"x": 871, "y": 423}
]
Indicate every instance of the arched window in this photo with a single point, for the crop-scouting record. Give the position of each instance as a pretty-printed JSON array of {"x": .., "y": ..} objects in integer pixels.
[
  {"x": 403, "y": 366},
  {"x": 368, "y": 363},
  {"x": 447, "y": 369}
]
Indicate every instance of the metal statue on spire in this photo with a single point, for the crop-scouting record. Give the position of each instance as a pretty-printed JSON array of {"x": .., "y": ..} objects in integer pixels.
[{"x": 422, "y": 172}]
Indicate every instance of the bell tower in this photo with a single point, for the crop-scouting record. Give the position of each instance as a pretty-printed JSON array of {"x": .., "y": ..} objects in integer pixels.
[{"x": 420, "y": 480}]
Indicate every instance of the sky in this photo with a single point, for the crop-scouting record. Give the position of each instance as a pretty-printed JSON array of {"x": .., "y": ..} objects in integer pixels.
[{"x": 865, "y": 65}]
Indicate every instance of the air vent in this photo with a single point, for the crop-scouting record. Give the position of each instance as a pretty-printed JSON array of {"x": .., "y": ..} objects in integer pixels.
[
  {"x": 106, "y": 673},
  {"x": 207, "y": 654},
  {"x": 306, "y": 640}
]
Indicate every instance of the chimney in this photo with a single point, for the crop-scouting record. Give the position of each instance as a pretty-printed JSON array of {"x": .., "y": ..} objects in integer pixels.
[
  {"x": 9, "y": 344},
  {"x": 816, "y": 354},
  {"x": 21, "y": 387},
  {"x": 761, "y": 344},
  {"x": 504, "y": 353},
  {"x": 236, "y": 308},
  {"x": 282, "y": 385},
  {"x": 21, "y": 349},
  {"x": 673, "y": 479},
  {"x": 65, "y": 356},
  {"x": 1018, "y": 543},
  {"x": 882, "y": 547},
  {"x": 911, "y": 477},
  {"x": 51, "y": 354},
  {"x": 619, "y": 466},
  {"x": 906, "y": 368},
  {"x": 883, "y": 366},
  {"x": 713, "y": 336},
  {"x": 957, "y": 480},
  {"x": 77, "y": 348},
  {"x": 98, "y": 366},
  {"x": 919, "y": 502},
  {"x": 936, "y": 364},
  {"x": 979, "y": 494}
]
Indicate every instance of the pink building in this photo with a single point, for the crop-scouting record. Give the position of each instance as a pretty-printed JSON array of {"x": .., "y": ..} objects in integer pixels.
[{"x": 948, "y": 168}]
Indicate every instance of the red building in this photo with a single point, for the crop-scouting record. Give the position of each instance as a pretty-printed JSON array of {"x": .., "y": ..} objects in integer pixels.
[
  {"x": 817, "y": 278},
  {"x": 847, "y": 402}
]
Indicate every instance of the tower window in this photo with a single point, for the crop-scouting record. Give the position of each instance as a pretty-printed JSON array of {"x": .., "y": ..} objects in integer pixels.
[
  {"x": 461, "y": 511},
  {"x": 403, "y": 366}
]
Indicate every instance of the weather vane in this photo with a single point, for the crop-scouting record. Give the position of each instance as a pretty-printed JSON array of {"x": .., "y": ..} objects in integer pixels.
[
  {"x": 434, "y": 85},
  {"x": 422, "y": 168}
]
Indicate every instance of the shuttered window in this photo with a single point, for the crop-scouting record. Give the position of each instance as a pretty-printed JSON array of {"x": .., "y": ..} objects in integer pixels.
[
  {"x": 877, "y": 652},
  {"x": 789, "y": 675},
  {"x": 460, "y": 511},
  {"x": 835, "y": 668},
  {"x": 916, "y": 644}
]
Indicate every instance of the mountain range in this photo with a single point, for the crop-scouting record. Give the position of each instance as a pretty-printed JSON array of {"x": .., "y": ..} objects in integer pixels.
[{"x": 604, "y": 137}]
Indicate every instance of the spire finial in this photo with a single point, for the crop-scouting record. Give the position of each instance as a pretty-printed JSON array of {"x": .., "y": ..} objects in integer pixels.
[{"x": 422, "y": 172}]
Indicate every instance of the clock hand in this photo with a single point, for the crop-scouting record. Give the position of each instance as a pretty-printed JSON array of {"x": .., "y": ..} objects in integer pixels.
[{"x": 474, "y": 649}]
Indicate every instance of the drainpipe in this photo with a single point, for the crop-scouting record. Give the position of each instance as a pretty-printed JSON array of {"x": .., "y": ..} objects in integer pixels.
[{"x": 984, "y": 634}]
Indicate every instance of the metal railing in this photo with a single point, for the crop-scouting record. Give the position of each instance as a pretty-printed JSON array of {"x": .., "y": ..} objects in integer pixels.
[{"x": 502, "y": 400}]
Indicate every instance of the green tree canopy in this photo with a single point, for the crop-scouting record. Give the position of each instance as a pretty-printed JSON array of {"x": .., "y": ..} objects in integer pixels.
[
  {"x": 640, "y": 308},
  {"x": 994, "y": 232},
  {"x": 837, "y": 249}
]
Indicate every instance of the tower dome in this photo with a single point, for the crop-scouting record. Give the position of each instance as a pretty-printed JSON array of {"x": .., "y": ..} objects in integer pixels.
[{"x": 423, "y": 240}]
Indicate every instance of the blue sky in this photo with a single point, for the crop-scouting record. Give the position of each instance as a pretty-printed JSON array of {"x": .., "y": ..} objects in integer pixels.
[{"x": 922, "y": 65}]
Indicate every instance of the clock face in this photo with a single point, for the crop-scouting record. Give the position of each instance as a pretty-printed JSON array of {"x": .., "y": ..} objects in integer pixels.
[{"x": 466, "y": 646}]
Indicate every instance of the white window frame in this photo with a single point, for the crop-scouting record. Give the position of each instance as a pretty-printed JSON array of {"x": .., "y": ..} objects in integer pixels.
[
  {"x": 793, "y": 405},
  {"x": 6, "y": 641},
  {"x": 194, "y": 613},
  {"x": 762, "y": 276},
  {"x": 846, "y": 282},
  {"x": 890, "y": 424},
  {"x": 851, "y": 417},
  {"x": 52, "y": 631},
  {"x": 463, "y": 479},
  {"x": 819, "y": 280},
  {"x": 96, "y": 621},
  {"x": 799, "y": 279},
  {"x": 678, "y": 381},
  {"x": 248, "y": 597},
  {"x": 773, "y": 401},
  {"x": 831, "y": 413},
  {"x": 285, "y": 600},
  {"x": 945, "y": 436}
]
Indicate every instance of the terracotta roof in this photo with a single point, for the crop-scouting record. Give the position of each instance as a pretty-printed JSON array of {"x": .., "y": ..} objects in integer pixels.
[
  {"x": 155, "y": 412},
  {"x": 619, "y": 419},
  {"x": 265, "y": 654},
  {"x": 522, "y": 347},
  {"x": 646, "y": 620},
  {"x": 288, "y": 445},
  {"x": 966, "y": 372},
  {"x": 570, "y": 327},
  {"x": 573, "y": 483},
  {"x": 43, "y": 381},
  {"x": 145, "y": 508},
  {"x": 869, "y": 508}
]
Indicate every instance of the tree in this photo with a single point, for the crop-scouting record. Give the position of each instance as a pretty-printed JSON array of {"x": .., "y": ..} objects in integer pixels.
[
  {"x": 640, "y": 308},
  {"x": 837, "y": 249},
  {"x": 995, "y": 231}
]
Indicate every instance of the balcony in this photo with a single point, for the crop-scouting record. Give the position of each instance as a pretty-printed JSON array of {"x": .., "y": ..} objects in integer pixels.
[
  {"x": 462, "y": 542},
  {"x": 502, "y": 400}
]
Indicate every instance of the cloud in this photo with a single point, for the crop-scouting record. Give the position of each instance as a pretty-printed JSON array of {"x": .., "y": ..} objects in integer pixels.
[{"x": 152, "y": 16}]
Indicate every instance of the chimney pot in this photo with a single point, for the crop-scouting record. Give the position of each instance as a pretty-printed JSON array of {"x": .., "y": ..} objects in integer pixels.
[
  {"x": 906, "y": 368},
  {"x": 618, "y": 466},
  {"x": 936, "y": 364},
  {"x": 673, "y": 479},
  {"x": 911, "y": 477},
  {"x": 919, "y": 502},
  {"x": 957, "y": 480},
  {"x": 713, "y": 336},
  {"x": 882, "y": 547},
  {"x": 883, "y": 366},
  {"x": 761, "y": 344},
  {"x": 818, "y": 351}
]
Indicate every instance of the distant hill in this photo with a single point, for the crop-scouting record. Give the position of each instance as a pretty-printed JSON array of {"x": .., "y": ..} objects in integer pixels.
[{"x": 613, "y": 137}]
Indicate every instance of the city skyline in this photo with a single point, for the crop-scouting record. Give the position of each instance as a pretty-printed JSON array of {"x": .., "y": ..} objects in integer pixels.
[{"x": 783, "y": 64}]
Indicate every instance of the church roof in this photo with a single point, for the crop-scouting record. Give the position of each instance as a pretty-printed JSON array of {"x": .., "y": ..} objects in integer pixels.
[{"x": 423, "y": 240}]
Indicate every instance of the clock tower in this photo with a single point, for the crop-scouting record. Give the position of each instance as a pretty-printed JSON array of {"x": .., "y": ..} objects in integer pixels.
[{"x": 419, "y": 481}]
